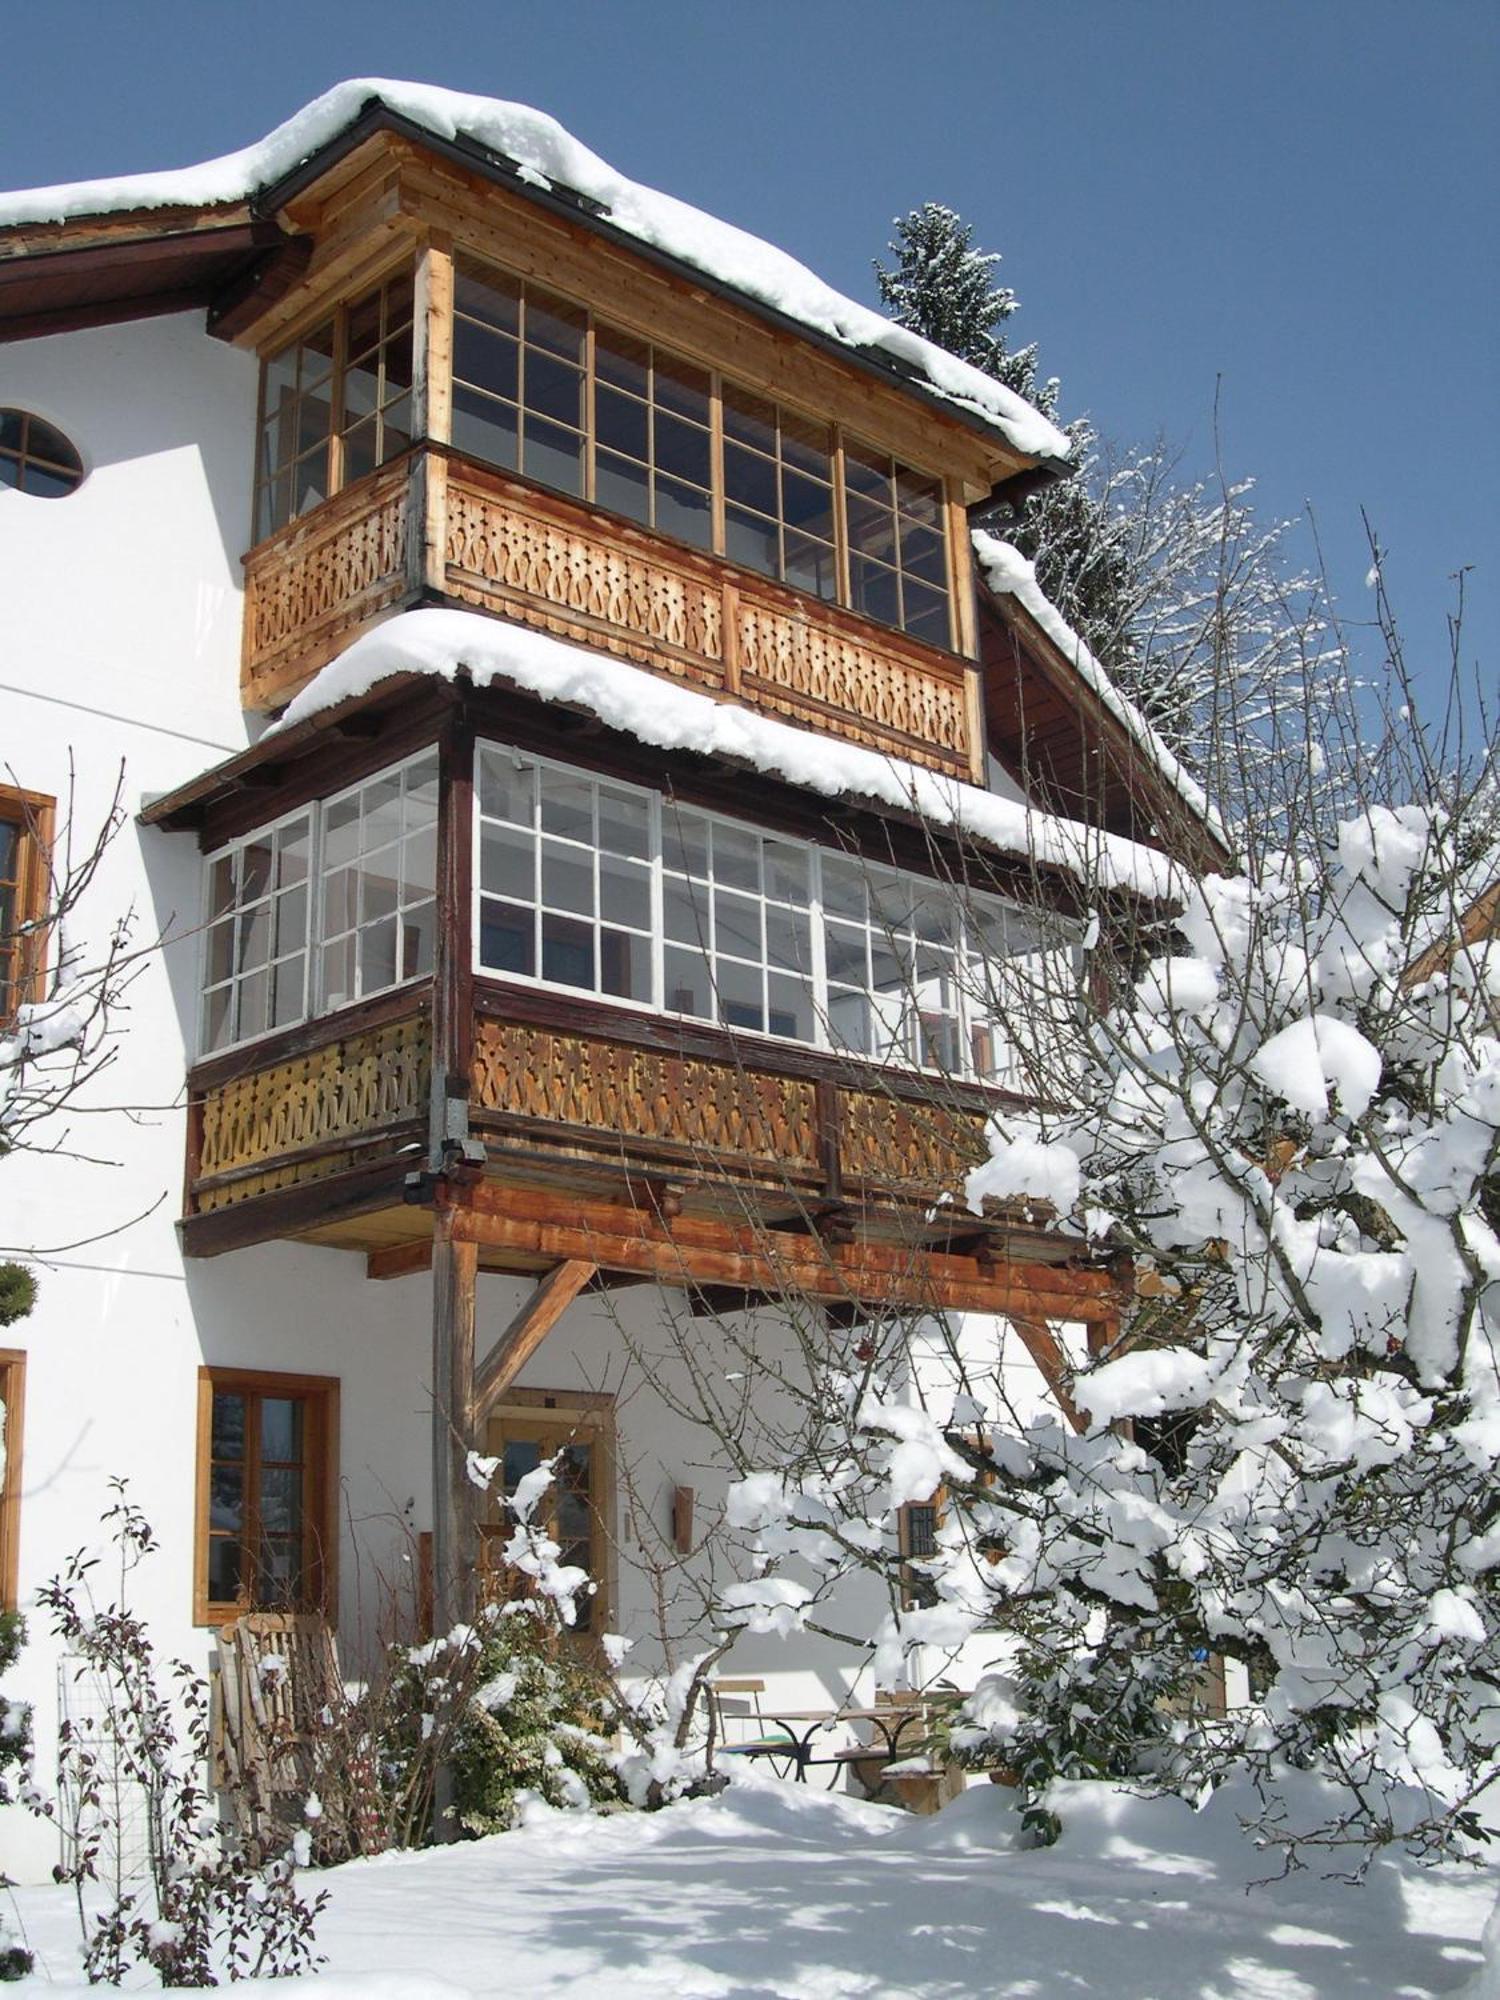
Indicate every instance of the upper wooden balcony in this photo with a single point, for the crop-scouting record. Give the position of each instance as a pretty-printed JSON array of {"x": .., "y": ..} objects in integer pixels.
[{"x": 435, "y": 526}]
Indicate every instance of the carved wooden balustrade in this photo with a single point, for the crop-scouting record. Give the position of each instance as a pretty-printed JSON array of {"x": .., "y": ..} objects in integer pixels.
[
  {"x": 748, "y": 1118},
  {"x": 438, "y": 526},
  {"x": 315, "y": 581},
  {"x": 641, "y": 1097},
  {"x": 342, "y": 1097}
]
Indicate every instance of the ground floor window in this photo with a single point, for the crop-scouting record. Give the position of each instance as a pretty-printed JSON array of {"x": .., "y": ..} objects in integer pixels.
[
  {"x": 576, "y": 1430},
  {"x": 267, "y": 1459}
]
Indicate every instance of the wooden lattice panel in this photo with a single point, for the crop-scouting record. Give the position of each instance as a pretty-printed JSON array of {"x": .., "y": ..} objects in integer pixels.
[
  {"x": 354, "y": 1089},
  {"x": 315, "y": 579},
  {"x": 553, "y": 574},
  {"x": 906, "y": 1146},
  {"x": 619, "y": 1093},
  {"x": 830, "y": 680}
]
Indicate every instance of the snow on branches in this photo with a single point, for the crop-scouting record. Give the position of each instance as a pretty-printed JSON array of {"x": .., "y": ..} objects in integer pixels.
[{"x": 1289, "y": 1115}]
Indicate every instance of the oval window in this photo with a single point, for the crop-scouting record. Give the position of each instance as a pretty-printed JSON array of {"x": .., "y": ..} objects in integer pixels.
[{"x": 35, "y": 456}]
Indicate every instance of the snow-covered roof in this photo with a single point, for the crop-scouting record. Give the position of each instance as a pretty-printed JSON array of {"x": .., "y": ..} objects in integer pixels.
[
  {"x": 548, "y": 156},
  {"x": 1009, "y": 574},
  {"x": 668, "y": 716}
]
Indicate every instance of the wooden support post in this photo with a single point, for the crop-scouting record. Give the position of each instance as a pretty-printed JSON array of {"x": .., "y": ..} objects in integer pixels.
[
  {"x": 525, "y": 1334},
  {"x": 455, "y": 1545},
  {"x": 432, "y": 411}
]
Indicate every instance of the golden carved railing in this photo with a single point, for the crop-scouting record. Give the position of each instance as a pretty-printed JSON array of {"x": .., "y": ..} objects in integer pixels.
[
  {"x": 439, "y": 526},
  {"x": 310, "y": 1114},
  {"x": 318, "y": 579},
  {"x": 558, "y": 1085},
  {"x": 547, "y": 562},
  {"x": 655, "y": 1110}
]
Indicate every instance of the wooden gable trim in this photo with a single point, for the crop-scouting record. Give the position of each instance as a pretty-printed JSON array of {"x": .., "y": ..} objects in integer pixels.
[
  {"x": 55, "y": 283},
  {"x": 1061, "y": 708}
]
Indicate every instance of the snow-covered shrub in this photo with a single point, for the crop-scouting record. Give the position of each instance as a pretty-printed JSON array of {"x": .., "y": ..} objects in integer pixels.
[{"x": 530, "y": 1727}]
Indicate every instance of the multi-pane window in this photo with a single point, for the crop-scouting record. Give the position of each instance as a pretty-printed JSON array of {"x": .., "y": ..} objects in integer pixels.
[
  {"x": 35, "y": 457},
  {"x": 374, "y": 421},
  {"x": 542, "y": 388},
  {"x": 335, "y": 404},
  {"x": 255, "y": 944},
  {"x": 574, "y": 1431},
  {"x": 778, "y": 493},
  {"x": 737, "y": 926},
  {"x": 331, "y": 904},
  {"x": 619, "y": 892},
  {"x": 565, "y": 877},
  {"x": 898, "y": 564},
  {"x": 519, "y": 377},
  {"x": 890, "y": 942},
  {"x": 377, "y": 914},
  {"x": 653, "y": 437},
  {"x": 265, "y": 1531},
  {"x": 291, "y": 473}
]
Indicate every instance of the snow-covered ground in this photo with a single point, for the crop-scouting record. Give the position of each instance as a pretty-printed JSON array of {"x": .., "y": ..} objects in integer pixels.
[{"x": 776, "y": 1890}]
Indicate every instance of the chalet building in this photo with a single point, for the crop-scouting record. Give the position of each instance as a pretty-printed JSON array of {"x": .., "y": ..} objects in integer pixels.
[{"x": 556, "y": 695}]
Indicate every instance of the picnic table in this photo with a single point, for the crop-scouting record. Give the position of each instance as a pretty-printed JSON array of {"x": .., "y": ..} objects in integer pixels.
[{"x": 797, "y": 1728}]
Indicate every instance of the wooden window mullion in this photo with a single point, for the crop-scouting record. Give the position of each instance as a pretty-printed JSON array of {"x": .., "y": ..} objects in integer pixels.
[
  {"x": 250, "y": 1577},
  {"x": 590, "y": 443},
  {"x": 716, "y": 461},
  {"x": 841, "y": 520},
  {"x": 336, "y": 401}
]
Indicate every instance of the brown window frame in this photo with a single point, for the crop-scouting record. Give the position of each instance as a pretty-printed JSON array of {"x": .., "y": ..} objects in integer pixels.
[
  {"x": 787, "y": 416},
  {"x": 349, "y": 355},
  {"x": 13, "y": 1396},
  {"x": 555, "y": 1417},
  {"x": 61, "y": 471},
  {"x": 23, "y": 945},
  {"x": 320, "y": 1394}
]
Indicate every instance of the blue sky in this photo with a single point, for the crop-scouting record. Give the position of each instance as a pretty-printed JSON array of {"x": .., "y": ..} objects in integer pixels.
[{"x": 1291, "y": 203}]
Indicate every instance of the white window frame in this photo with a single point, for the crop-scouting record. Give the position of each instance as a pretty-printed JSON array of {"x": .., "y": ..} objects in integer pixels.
[
  {"x": 309, "y": 812},
  {"x": 321, "y": 935},
  {"x": 966, "y": 1017},
  {"x": 314, "y": 810}
]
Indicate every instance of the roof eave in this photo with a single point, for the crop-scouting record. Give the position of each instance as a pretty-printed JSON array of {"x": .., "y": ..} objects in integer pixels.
[{"x": 575, "y": 208}]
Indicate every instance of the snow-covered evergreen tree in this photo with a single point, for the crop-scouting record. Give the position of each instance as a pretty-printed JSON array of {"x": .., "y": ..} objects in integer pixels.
[{"x": 943, "y": 288}]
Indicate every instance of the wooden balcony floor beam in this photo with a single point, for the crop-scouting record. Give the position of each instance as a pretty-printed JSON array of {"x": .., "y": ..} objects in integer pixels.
[{"x": 690, "y": 1252}]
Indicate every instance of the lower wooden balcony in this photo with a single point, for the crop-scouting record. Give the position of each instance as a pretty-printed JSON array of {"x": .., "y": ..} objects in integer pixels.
[
  {"x": 435, "y": 526},
  {"x": 646, "y": 1147}
]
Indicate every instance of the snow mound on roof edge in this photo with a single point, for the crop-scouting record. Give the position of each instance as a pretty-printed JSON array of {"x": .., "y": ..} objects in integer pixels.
[
  {"x": 1009, "y": 574},
  {"x": 667, "y": 716},
  {"x": 542, "y": 147}
]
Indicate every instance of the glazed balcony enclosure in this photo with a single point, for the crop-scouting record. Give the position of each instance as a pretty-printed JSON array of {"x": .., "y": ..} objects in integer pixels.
[
  {"x": 469, "y": 962},
  {"x": 475, "y": 395}
]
